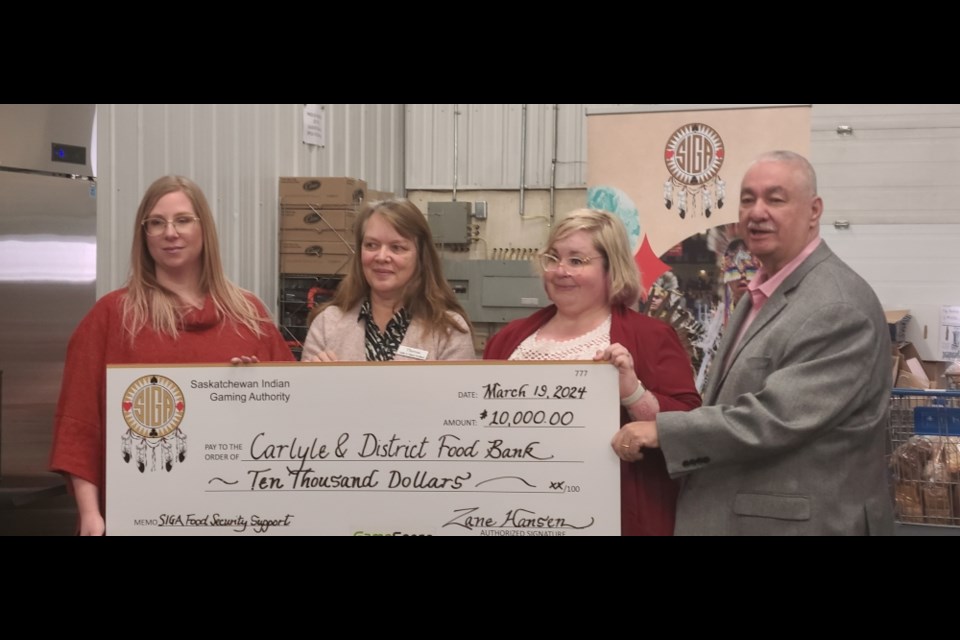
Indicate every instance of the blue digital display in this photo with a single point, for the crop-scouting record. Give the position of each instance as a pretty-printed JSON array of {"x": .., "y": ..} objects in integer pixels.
[{"x": 68, "y": 153}]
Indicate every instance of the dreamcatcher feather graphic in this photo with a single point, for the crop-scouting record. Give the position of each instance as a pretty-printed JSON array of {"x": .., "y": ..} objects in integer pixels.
[
  {"x": 694, "y": 154},
  {"x": 153, "y": 408}
]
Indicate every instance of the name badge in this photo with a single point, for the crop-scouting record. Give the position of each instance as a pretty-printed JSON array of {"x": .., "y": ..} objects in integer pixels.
[{"x": 410, "y": 352}]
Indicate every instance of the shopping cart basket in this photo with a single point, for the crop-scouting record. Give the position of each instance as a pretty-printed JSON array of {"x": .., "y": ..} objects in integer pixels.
[{"x": 924, "y": 435}]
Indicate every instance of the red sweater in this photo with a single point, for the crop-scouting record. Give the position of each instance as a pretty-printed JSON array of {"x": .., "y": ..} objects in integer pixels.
[
  {"x": 648, "y": 497},
  {"x": 100, "y": 339}
]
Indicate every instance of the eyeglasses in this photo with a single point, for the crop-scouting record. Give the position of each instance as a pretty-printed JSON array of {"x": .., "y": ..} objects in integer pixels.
[
  {"x": 574, "y": 264},
  {"x": 158, "y": 226}
]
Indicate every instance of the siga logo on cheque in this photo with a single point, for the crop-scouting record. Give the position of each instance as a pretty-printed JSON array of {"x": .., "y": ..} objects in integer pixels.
[{"x": 153, "y": 408}]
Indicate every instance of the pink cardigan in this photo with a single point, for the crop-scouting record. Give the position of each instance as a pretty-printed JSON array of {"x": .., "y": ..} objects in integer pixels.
[{"x": 342, "y": 333}]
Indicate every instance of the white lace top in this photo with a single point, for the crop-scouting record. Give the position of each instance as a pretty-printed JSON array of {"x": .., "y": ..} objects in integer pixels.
[{"x": 581, "y": 348}]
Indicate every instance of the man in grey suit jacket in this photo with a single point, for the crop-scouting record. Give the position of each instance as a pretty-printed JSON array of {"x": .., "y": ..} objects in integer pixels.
[{"x": 791, "y": 437}]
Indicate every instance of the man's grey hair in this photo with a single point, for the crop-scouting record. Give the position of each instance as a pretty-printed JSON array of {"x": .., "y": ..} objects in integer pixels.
[{"x": 793, "y": 158}]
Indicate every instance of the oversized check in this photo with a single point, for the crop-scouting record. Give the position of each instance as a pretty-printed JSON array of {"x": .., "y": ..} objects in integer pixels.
[{"x": 444, "y": 448}]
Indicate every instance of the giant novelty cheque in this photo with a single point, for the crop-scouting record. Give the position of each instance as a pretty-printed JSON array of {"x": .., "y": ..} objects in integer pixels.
[{"x": 445, "y": 448}]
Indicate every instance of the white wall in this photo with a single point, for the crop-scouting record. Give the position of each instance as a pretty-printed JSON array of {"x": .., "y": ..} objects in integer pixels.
[
  {"x": 896, "y": 180},
  {"x": 235, "y": 152},
  {"x": 914, "y": 267},
  {"x": 900, "y": 164}
]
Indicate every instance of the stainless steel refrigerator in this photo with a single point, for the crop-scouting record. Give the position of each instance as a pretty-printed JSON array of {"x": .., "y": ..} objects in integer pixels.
[{"x": 48, "y": 220}]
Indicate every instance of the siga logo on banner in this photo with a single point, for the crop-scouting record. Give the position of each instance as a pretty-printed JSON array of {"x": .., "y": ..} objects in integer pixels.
[{"x": 694, "y": 154}]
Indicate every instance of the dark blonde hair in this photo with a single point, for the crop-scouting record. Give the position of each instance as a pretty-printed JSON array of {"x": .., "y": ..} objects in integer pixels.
[
  {"x": 609, "y": 239},
  {"x": 148, "y": 302},
  {"x": 428, "y": 295}
]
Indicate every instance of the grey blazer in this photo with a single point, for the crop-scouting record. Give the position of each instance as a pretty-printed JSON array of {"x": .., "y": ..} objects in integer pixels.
[{"x": 791, "y": 437}]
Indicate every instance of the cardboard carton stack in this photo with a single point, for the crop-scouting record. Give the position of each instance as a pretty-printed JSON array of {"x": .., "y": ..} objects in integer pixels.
[
  {"x": 317, "y": 216},
  {"x": 374, "y": 196},
  {"x": 909, "y": 370}
]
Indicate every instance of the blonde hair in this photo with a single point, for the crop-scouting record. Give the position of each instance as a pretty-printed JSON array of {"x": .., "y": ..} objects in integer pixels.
[
  {"x": 148, "y": 302},
  {"x": 428, "y": 295},
  {"x": 609, "y": 239}
]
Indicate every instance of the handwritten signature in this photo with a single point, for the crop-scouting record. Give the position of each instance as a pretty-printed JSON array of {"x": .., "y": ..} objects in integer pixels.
[{"x": 517, "y": 518}]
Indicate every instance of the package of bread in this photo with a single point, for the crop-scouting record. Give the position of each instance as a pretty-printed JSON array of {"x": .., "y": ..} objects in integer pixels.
[
  {"x": 935, "y": 470},
  {"x": 909, "y": 504},
  {"x": 937, "y": 503},
  {"x": 937, "y": 489},
  {"x": 910, "y": 459},
  {"x": 908, "y": 463},
  {"x": 951, "y": 457}
]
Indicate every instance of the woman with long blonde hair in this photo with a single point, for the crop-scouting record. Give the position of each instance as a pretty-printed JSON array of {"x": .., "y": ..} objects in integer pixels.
[{"x": 177, "y": 306}]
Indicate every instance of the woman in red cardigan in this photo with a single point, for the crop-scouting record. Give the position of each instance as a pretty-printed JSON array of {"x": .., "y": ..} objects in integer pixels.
[
  {"x": 591, "y": 278},
  {"x": 178, "y": 306}
]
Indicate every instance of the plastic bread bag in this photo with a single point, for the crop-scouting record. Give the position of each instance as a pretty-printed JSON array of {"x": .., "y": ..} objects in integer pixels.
[{"x": 910, "y": 458}]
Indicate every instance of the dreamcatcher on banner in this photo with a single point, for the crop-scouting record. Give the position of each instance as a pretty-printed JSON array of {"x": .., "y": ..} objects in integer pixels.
[
  {"x": 153, "y": 410},
  {"x": 694, "y": 155}
]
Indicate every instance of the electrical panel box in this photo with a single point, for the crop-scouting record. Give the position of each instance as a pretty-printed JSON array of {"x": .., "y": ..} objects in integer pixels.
[
  {"x": 449, "y": 222},
  {"x": 496, "y": 290},
  {"x": 480, "y": 210}
]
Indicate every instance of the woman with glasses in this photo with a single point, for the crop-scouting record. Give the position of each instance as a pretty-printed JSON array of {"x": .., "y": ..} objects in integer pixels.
[
  {"x": 394, "y": 303},
  {"x": 591, "y": 278},
  {"x": 177, "y": 306}
]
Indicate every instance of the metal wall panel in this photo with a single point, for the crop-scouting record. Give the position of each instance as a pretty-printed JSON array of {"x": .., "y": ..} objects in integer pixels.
[
  {"x": 909, "y": 266},
  {"x": 427, "y": 125},
  {"x": 897, "y": 166},
  {"x": 893, "y": 164},
  {"x": 489, "y": 149},
  {"x": 235, "y": 152}
]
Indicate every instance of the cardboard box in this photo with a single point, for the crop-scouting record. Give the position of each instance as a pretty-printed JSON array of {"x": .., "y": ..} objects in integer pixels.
[
  {"x": 910, "y": 372},
  {"x": 317, "y": 258},
  {"x": 315, "y": 248},
  {"x": 318, "y": 218},
  {"x": 305, "y": 202},
  {"x": 936, "y": 372},
  {"x": 318, "y": 234},
  {"x": 897, "y": 320},
  {"x": 322, "y": 191},
  {"x": 373, "y": 196},
  {"x": 309, "y": 265}
]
